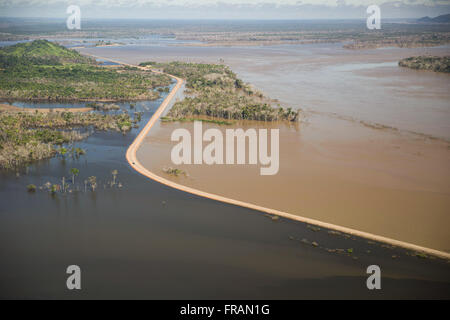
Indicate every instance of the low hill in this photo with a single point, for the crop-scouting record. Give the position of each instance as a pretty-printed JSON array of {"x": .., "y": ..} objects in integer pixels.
[
  {"x": 45, "y": 51},
  {"x": 43, "y": 70},
  {"x": 445, "y": 18}
]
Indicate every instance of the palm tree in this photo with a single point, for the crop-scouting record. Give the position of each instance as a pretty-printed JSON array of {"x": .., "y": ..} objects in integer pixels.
[{"x": 74, "y": 172}]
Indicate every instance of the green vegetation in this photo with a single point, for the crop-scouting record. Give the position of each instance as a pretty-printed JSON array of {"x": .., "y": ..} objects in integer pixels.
[
  {"x": 174, "y": 171},
  {"x": 221, "y": 122},
  {"x": 114, "y": 174},
  {"x": 31, "y": 188},
  {"x": 92, "y": 181},
  {"x": 43, "y": 70},
  {"x": 437, "y": 64},
  {"x": 43, "y": 52},
  {"x": 215, "y": 91},
  {"x": 27, "y": 136},
  {"x": 74, "y": 172},
  {"x": 101, "y": 43}
]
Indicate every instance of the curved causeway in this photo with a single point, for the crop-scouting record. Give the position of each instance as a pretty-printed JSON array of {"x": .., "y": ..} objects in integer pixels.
[{"x": 136, "y": 165}]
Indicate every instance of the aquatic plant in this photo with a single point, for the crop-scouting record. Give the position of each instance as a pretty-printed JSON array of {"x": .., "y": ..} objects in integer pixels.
[
  {"x": 174, "y": 171},
  {"x": 77, "y": 152}
]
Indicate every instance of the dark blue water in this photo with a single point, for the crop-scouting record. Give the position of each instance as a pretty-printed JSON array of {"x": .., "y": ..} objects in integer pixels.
[{"x": 107, "y": 63}]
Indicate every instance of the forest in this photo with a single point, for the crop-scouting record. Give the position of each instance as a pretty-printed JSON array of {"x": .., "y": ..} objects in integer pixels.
[
  {"x": 215, "y": 91},
  {"x": 43, "y": 70},
  {"x": 30, "y": 136}
]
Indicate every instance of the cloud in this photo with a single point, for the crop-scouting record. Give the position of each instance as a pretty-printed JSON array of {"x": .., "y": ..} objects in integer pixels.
[
  {"x": 210, "y": 3},
  {"x": 225, "y": 9}
]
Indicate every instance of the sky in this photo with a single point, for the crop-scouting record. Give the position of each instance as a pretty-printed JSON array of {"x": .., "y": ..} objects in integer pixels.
[{"x": 225, "y": 9}]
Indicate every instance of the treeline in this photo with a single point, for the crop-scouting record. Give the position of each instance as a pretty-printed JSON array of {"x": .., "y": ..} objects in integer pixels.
[
  {"x": 436, "y": 64},
  {"x": 42, "y": 72},
  {"x": 27, "y": 136},
  {"x": 215, "y": 91}
]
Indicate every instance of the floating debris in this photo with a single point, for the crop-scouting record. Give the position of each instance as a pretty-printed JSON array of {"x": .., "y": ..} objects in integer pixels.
[
  {"x": 305, "y": 241},
  {"x": 334, "y": 233},
  {"x": 313, "y": 228},
  {"x": 420, "y": 255}
]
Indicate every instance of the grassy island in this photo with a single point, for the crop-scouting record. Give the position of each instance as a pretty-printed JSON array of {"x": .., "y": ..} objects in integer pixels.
[
  {"x": 436, "y": 64},
  {"x": 43, "y": 70},
  {"x": 215, "y": 91}
]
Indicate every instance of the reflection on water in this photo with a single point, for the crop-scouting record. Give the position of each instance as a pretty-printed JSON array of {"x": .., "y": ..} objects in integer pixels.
[
  {"x": 361, "y": 66},
  {"x": 46, "y": 105},
  {"x": 107, "y": 62}
]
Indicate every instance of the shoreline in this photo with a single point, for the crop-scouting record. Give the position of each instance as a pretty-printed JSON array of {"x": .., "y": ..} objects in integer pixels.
[{"x": 136, "y": 165}]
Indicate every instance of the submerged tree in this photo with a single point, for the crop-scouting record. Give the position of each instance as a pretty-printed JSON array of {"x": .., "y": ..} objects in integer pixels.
[
  {"x": 54, "y": 188},
  {"x": 93, "y": 182},
  {"x": 74, "y": 172},
  {"x": 114, "y": 175}
]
